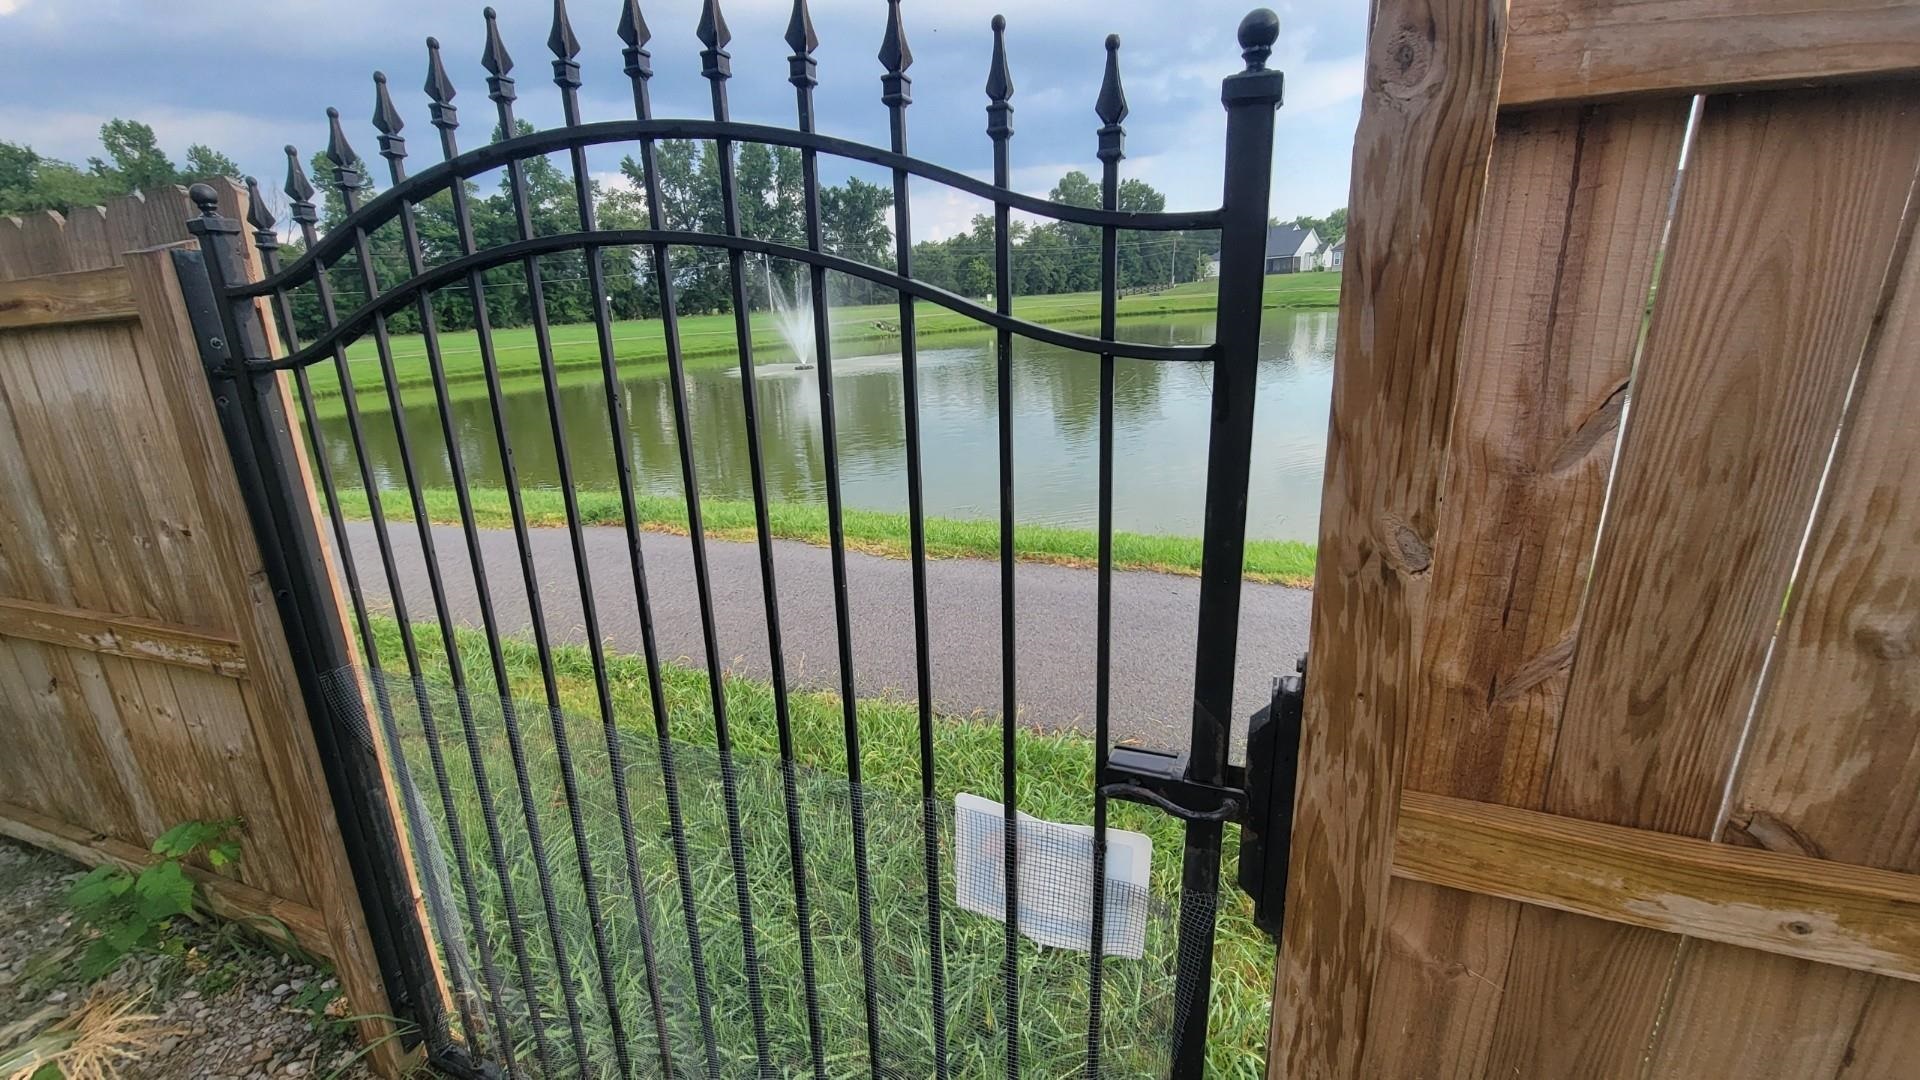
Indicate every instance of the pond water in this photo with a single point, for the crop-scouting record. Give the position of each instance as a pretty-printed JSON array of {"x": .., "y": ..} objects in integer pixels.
[{"x": 1161, "y": 413}]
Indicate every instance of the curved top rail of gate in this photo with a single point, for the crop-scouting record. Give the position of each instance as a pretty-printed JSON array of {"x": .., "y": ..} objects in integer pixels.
[{"x": 1257, "y": 34}]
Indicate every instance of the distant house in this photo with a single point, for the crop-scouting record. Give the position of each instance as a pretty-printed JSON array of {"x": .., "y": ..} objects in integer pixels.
[
  {"x": 1292, "y": 249},
  {"x": 1213, "y": 265},
  {"x": 1337, "y": 254}
]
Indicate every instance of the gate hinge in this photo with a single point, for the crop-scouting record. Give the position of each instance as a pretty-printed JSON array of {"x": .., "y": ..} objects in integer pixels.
[{"x": 1273, "y": 767}]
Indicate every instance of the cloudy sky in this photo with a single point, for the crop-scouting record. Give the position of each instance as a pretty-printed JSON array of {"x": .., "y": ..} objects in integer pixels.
[{"x": 246, "y": 78}]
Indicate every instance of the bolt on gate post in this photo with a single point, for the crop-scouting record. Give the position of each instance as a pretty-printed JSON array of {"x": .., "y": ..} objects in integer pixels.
[
  {"x": 253, "y": 417},
  {"x": 1250, "y": 97}
]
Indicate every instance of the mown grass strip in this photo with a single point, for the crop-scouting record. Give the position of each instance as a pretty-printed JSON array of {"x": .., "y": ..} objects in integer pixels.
[
  {"x": 1056, "y": 782},
  {"x": 876, "y": 532}
]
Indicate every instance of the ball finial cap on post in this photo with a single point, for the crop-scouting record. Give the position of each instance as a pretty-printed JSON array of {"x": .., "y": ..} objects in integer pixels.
[
  {"x": 1258, "y": 31},
  {"x": 207, "y": 199}
]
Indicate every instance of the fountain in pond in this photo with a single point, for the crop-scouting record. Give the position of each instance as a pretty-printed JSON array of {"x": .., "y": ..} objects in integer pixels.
[{"x": 793, "y": 317}]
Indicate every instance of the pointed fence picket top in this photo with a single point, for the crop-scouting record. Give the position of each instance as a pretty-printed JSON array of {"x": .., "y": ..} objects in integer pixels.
[{"x": 584, "y": 1015}]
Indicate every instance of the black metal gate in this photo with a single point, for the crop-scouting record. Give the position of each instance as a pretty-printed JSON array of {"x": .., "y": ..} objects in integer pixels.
[{"x": 477, "y": 952}]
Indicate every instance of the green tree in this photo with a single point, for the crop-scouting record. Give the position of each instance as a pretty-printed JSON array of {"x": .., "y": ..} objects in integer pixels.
[
  {"x": 204, "y": 163},
  {"x": 138, "y": 160}
]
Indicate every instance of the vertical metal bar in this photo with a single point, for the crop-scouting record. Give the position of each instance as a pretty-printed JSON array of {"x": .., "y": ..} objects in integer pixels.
[
  {"x": 1000, "y": 130},
  {"x": 1111, "y": 107},
  {"x": 1250, "y": 97},
  {"x": 716, "y": 67},
  {"x": 500, "y": 89},
  {"x": 446, "y": 121},
  {"x": 801, "y": 73},
  {"x": 268, "y": 244},
  {"x": 896, "y": 93},
  {"x": 422, "y": 839},
  {"x": 639, "y": 69},
  {"x": 253, "y": 419},
  {"x": 566, "y": 75}
]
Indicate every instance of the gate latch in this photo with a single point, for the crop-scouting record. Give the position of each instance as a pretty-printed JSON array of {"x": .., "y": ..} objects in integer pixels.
[
  {"x": 1258, "y": 797},
  {"x": 1273, "y": 766}
]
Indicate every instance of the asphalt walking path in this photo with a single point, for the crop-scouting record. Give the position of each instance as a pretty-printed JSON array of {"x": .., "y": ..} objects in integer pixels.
[{"x": 1155, "y": 621}]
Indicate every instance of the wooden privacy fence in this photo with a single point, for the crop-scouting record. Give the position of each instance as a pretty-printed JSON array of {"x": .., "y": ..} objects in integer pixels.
[
  {"x": 1607, "y": 774},
  {"x": 144, "y": 676}
]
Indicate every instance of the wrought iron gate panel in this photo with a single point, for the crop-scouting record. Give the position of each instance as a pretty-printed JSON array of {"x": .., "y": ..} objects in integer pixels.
[{"x": 498, "y": 1022}]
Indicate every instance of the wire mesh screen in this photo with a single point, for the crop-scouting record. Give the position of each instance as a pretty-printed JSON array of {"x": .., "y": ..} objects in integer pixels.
[{"x": 444, "y": 750}]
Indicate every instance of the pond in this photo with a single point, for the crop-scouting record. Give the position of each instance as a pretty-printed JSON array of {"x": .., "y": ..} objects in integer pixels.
[{"x": 1161, "y": 413}]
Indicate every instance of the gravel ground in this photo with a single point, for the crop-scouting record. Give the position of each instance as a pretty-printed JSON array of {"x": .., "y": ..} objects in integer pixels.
[{"x": 233, "y": 1009}]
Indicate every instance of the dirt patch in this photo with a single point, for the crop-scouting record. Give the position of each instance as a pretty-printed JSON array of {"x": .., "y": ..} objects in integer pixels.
[{"x": 227, "y": 1007}]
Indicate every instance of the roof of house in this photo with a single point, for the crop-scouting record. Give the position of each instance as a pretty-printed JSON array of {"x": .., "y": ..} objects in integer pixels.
[
  {"x": 1283, "y": 240},
  {"x": 1340, "y": 244}
]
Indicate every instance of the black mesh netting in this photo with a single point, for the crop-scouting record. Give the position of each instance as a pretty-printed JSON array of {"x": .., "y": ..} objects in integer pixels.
[{"x": 503, "y": 961}]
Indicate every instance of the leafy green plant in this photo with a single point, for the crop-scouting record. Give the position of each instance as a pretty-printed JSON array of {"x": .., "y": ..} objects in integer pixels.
[{"x": 127, "y": 912}]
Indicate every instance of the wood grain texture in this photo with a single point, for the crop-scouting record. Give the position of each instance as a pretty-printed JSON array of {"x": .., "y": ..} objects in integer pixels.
[
  {"x": 1836, "y": 737},
  {"x": 1583, "y": 50},
  {"x": 1419, "y": 167},
  {"x": 58, "y": 299},
  {"x": 1856, "y": 917},
  {"x": 1576, "y": 199},
  {"x": 136, "y": 639},
  {"x": 286, "y": 754},
  {"x": 1780, "y": 248}
]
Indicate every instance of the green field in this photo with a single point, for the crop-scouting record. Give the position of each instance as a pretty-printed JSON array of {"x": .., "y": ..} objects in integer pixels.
[
  {"x": 876, "y": 532},
  {"x": 1055, "y": 777},
  {"x": 639, "y": 341}
]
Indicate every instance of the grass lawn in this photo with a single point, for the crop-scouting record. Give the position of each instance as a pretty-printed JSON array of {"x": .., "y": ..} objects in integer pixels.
[
  {"x": 877, "y": 532},
  {"x": 1055, "y": 777},
  {"x": 641, "y": 340}
]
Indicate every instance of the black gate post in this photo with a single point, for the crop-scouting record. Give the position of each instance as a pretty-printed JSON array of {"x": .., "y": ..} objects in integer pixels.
[
  {"x": 1250, "y": 96},
  {"x": 253, "y": 418}
]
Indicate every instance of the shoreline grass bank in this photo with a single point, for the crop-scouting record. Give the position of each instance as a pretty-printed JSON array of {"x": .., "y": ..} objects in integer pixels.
[
  {"x": 1056, "y": 781},
  {"x": 875, "y": 532},
  {"x": 641, "y": 341}
]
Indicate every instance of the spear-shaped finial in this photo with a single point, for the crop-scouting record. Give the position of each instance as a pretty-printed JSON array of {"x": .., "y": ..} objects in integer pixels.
[
  {"x": 260, "y": 217},
  {"x": 1111, "y": 105},
  {"x": 298, "y": 190},
  {"x": 495, "y": 57},
  {"x": 800, "y": 36},
  {"x": 633, "y": 26},
  {"x": 999, "y": 84},
  {"x": 497, "y": 62},
  {"x": 715, "y": 62},
  {"x": 440, "y": 89},
  {"x": 634, "y": 31},
  {"x": 894, "y": 54},
  {"x": 1258, "y": 31},
  {"x": 560, "y": 39},
  {"x": 346, "y": 173},
  {"x": 386, "y": 120},
  {"x": 566, "y": 70},
  {"x": 801, "y": 66}
]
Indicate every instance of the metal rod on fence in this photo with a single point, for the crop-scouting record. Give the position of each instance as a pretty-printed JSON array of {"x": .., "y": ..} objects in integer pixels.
[
  {"x": 1111, "y": 108},
  {"x": 801, "y": 73},
  {"x": 258, "y": 433},
  {"x": 1250, "y": 97},
  {"x": 566, "y": 75},
  {"x": 1000, "y": 130},
  {"x": 716, "y": 67},
  {"x": 300, "y": 190},
  {"x": 639, "y": 68},
  {"x": 896, "y": 94},
  {"x": 268, "y": 244},
  {"x": 501, "y": 90}
]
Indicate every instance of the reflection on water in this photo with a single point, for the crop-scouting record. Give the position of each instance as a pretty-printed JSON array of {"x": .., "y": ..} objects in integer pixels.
[{"x": 1161, "y": 413}]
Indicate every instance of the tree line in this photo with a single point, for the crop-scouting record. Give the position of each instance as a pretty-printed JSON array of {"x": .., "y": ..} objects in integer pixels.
[{"x": 134, "y": 162}]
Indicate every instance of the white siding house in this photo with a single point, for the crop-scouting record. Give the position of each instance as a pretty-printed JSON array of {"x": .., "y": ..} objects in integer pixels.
[
  {"x": 1337, "y": 254},
  {"x": 1292, "y": 249}
]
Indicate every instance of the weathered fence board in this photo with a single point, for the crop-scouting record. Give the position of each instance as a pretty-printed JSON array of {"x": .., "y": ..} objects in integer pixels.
[
  {"x": 1595, "y": 737},
  {"x": 144, "y": 675}
]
